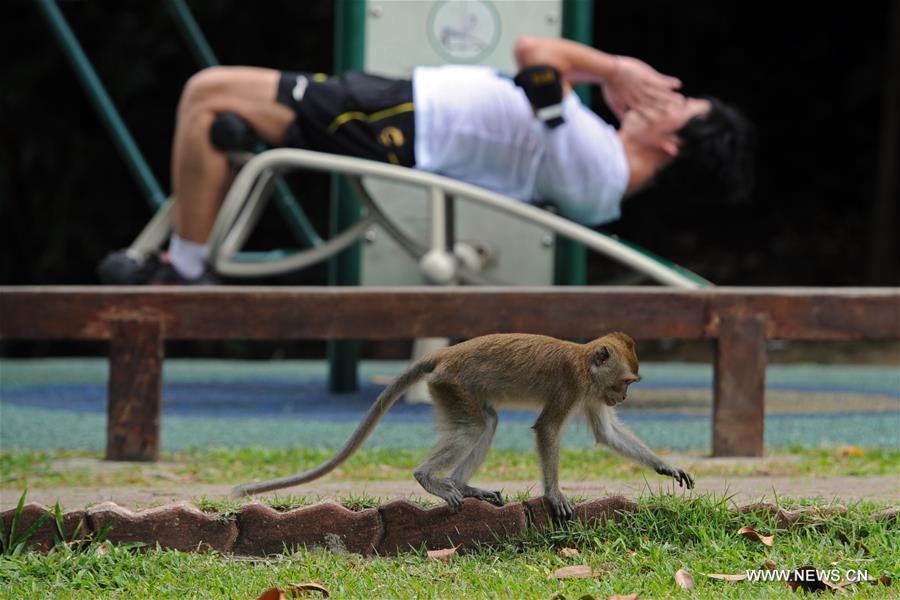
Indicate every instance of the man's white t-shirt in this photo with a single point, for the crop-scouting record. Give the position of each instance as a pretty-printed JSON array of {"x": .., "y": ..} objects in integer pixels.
[{"x": 476, "y": 125}]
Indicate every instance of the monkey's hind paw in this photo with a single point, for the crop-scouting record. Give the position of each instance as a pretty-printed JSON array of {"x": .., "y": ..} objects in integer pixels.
[
  {"x": 445, "y": 489},
  {"x": 494, "y": 497},
  {"x": 454, "y": 500}
]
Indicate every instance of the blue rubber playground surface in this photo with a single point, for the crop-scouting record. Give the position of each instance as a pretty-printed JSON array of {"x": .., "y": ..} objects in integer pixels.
[{"x": 61, "y": 403}]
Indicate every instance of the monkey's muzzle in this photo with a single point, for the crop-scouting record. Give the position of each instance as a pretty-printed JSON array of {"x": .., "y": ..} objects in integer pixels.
[{"x": 615, "y": 400}]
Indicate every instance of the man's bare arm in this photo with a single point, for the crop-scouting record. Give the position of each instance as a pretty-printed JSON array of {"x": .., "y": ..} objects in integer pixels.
[
  {"x": 576, "y": 62},
  {"x": 627, "y": 82}
]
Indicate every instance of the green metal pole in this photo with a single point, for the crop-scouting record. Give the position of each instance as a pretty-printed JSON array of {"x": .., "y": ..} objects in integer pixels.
[
  {"x": 102, "y": 103},
  {"x": 571, "y": 257},
  {"x": 190, "y": 30},
  {"x": 349, "y": 54}
]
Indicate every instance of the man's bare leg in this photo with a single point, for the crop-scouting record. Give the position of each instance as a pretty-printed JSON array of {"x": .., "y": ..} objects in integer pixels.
[{"x": 200, "y": 172}]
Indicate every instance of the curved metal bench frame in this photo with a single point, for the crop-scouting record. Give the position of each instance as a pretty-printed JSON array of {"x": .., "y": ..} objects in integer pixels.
[{"x": 249, "y": 193}]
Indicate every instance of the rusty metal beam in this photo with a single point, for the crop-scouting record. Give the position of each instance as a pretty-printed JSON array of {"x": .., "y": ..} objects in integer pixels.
[
  {"x": 135, "y": 389},
  {"x": 405, "y": 313},
  {"x": 739, "y": 382}
]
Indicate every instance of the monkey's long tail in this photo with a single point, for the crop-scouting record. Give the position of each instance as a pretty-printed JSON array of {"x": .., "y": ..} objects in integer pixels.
[{"x": 381, "y": 405}]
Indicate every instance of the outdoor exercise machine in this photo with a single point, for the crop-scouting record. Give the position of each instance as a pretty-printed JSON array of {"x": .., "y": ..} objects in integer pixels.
[
  {"x": 368, "y": 37},
  {"x": 489, "y": 239}
]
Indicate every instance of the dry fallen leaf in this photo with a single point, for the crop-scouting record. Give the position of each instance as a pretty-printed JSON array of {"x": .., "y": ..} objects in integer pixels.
[
  {"x": 442, "y": 555},
  {"x": 295, "y": 590},
  {"x": 752, "y": 534},
  {"x": 834, "y": 587},
  {"x": 850, "y": 582},
  {"x": 568, "y": 552},
  {"x": 272, "y": 594},
  {"x": 576, "y": 571},
  {"x": 684, "y": 579},
  {"x": 727, "y": 577},
  {"x": 769, "y": 565},
  {"x": 625, "y": 597},
  {"x": 883, "y": 580}
]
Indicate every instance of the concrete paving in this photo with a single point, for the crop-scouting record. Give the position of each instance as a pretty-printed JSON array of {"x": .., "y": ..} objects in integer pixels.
[
  {"x": 60, "y": 403},
  {"x": 742, "y": 490}
]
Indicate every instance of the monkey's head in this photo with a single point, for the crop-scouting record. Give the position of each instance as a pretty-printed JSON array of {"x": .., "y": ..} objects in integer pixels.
[{"x": 614, "y": 366}]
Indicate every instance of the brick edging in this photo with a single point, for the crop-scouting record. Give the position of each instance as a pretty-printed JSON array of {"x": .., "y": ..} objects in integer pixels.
[{"x": 398, "y": 526}]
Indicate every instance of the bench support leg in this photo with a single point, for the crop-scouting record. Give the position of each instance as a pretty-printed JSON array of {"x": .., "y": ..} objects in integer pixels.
[
  {"x": 739, "y": 386},
  {"x": 135, "y": 389}
]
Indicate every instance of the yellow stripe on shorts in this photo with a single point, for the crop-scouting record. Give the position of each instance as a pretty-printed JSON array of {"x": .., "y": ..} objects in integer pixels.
[{"x": 375, "y": 116}]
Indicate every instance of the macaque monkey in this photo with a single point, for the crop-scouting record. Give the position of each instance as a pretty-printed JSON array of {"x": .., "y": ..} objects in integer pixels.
[{"x": 469, "y": 379}]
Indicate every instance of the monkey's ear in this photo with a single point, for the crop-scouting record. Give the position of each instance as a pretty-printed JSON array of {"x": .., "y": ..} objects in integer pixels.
[{"x": 600, "y": 356}]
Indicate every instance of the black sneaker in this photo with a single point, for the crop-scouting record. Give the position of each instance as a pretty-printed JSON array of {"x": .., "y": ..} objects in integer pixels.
[
  {"x": 167, "y": 274},
  {"x": 121, "y": 268}
]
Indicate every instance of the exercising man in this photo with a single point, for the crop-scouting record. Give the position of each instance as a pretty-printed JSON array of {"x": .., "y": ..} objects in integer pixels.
[{"x": 466, "y": 122}]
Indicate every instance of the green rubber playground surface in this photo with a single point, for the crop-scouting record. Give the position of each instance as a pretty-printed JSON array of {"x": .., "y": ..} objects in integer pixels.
[{"x": 60, "y": 403}]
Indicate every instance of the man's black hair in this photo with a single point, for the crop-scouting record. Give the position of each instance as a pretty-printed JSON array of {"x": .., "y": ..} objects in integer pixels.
[{"x": 715, "y": 156}]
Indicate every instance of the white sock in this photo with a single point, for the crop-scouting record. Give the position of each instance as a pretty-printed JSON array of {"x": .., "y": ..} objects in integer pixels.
[{"x": 188, "y": 258}]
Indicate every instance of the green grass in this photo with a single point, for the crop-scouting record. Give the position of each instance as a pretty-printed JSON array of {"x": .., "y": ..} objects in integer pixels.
[
  {"x": 36, "y": 469},
  {"x": 639, "y": 554}
]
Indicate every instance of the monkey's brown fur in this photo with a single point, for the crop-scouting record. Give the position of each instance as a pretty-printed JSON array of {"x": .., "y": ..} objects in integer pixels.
[{"x": 468, "y": 380}]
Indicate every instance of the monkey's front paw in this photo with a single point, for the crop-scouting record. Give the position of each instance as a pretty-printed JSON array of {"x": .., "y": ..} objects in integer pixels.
[
  {"x": 562, "y": 507},
  {"x": 681, "y": 476},
  {"x": 684, "y": 479}
]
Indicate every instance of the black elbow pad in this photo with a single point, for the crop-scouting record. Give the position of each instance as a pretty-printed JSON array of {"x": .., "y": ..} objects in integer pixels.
[{"x": 543, "y": 87}]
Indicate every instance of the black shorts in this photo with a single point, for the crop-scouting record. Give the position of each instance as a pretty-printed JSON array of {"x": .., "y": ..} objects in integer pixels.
[{"x": 356, "y": 114}]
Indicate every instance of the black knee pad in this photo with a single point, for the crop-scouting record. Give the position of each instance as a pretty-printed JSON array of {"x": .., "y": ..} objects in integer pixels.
[{"x": 229, "y": 132}]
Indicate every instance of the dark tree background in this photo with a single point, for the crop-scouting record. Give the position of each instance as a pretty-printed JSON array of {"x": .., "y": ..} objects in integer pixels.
[{"x": 815, "y": 78}]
